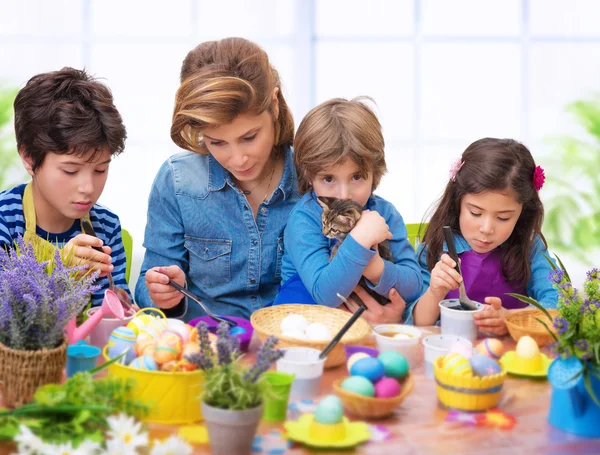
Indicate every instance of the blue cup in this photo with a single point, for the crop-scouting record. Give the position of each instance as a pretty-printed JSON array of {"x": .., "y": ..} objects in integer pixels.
[{"x": 81, "y": 357}]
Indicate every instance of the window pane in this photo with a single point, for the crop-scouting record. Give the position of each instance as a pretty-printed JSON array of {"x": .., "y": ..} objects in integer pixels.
[
  {"x": 564, "y": 18},
  {"x": 41, "y": 17}
]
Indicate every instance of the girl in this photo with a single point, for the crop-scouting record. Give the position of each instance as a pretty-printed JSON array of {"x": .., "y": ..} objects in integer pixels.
[
  {"x": 492, "y": 204},
  {"x": 340, "y": 154}
]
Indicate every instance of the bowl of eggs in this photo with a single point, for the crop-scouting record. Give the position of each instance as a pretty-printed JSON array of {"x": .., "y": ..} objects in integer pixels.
[
  {"x": 311, "y": 326},
  {"x": 155, "y": 360},
  {"x": 376, "y": 385},
  {"x": 468, "y": 384},
  {"x": 526, "y": 359},
  {"x": 525, "y": 323}
]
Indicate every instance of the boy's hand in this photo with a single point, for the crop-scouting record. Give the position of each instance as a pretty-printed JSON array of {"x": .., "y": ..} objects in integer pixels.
[
  {"x": 377, "y": 313},
  {"x": 79, "y": 251},
  {"x": 161, "y": 292},
  {"x": 371, "y": 229},
  {"x": 444, "y": 277},
  {"x": 491, "y": 318}
]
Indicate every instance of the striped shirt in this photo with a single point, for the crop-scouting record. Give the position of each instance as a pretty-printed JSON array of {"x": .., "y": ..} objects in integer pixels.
[{"x": 105, "y": 223}]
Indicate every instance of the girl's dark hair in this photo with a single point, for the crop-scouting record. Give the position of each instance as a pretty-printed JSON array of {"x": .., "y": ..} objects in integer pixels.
[
  {"x": 66, "y": 112},
  {"x": 491, "y": 164}
]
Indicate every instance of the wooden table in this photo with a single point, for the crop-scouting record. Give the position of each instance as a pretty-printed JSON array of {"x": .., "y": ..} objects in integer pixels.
[{"x": 418, "y": 426}]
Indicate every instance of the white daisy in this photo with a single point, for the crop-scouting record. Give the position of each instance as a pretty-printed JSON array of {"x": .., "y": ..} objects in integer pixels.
[
  {"x": 171, "y": 446},
  {"x": 61, "y": 449},
  {"x": 28, "y": 443},
  {"x": 126, "y": 432},
  {"x": 88, "y": 447},
  {"x": 117, "y": 447}
]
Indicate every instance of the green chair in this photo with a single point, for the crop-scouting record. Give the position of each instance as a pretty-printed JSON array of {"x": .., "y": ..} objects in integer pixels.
[
  {"x": 128, "y": 247},
  {"x": 416, "y": 231}
]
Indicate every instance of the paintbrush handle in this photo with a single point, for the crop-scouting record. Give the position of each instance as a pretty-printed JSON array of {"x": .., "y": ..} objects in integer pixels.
[
  {"x": 343, "y": 330},
  {"x": 449, "y": 236}
]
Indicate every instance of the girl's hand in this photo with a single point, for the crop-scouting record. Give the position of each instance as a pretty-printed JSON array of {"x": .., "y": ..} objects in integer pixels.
[
  {"x": 371, "y": 229},
  {"x": 491, "y": 319},
  {"x": 444, "y": 277},
  {"x": 79, "y": 251},
  {"x": 161, "y": 292}
]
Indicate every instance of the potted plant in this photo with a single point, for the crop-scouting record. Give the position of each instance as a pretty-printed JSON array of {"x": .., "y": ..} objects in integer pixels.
[
  {"x": 575, "y": 374},
  {"x": 233, "y": 393},
  {"x": 37, "y": 299}
]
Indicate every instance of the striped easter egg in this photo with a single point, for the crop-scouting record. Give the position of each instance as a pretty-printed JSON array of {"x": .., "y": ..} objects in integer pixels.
[
  {"x": 144, "y": 362},
  {"x": 457, "y": 365}
]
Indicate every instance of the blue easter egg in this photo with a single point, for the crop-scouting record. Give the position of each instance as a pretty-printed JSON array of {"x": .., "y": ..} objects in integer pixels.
[
  {"x": 368, "y": 367},
  {"x": 237, "y": 331},
  {"x": 359, "y": 385},
  {"x": 121, "y": 339},
  {"x": 484, "y": 366},
  {"x": 395, "y": 364},
  {"x": 329, "y": 410},
  {"x": 145, "y": 362}
]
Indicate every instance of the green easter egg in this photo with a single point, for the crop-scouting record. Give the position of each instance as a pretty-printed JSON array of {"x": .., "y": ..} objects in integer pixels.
[
  {"x": 329, "y": 410},
  {"x": 395, "y": 364},
  {"x": 359, "y": 385}
]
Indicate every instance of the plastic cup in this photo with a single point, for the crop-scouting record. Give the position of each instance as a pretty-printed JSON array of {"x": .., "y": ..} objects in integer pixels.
[
  {"x": 305, "y": 364},
  {"x": 81, "y": 357},
  {"x": 276, "y": 402},
  {"x": 407, "y": 345},
  {"x": 439, "y": 345},
  {"x": 458, "y": 322}
]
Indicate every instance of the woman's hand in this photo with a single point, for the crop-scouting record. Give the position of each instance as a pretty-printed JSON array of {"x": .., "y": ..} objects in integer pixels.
[
  {"x": 79, "y": 252},
  {"x": 377, "y": 313},
  {"x": 491, "y": 318},
  {"x": 444, "y": 277},
  {"x": 161, "y": 292}
]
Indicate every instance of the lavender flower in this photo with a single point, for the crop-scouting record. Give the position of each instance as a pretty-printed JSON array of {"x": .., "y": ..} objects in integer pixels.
[
  {"x": 582, "y": 345},
  {"x": 201, "y": 360},
  {"x": 593, "y": 274},
  {"x": 556, "y": 276},
  {"x": 203, "y": 340},
  {"x": 561, "y": 325},
  {"x": 264, "y": 359}
]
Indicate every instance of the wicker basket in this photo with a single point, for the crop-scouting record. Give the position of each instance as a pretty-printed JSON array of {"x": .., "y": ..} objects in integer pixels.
[
  {"x": 372, "y": 408},
  {"x": 266, "y": 322},
  {"x": 521, "y": 323}
]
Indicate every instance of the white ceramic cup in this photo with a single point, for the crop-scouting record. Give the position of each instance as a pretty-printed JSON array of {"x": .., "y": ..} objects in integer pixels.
[
  {"x": 458, "y": 322},
  {"x": 305, "y": 364},
  {"x": 438, "y": 345},
  {"x": 408, "y": 347}
]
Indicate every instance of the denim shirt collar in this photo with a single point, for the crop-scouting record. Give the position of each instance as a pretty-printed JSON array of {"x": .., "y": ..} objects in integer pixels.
[{"x": 218, "y": 176}]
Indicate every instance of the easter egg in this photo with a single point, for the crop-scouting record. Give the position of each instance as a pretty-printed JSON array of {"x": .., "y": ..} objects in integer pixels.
[
  {"x": 370, "y": 368},
  {"x": 120, "y": 340},
  {"x": 354, "y": 358},
  {"x": 157, "y": 324},
  {"x": 457, "y": 365},
  {"x": 483, "y": 365},
  {"x": 122, "y": 334},
  {"x": 317, "y": 331},
  {"x": 237, "y": 331},
  {"x": 138, "y": 322},
  {"x": 296, "y": 334},
  {"x": 172, "y": 322},
  {"x": 144, "y": 362},
  {"x": 145, "y": 347},
  {"x": 182, "y": 329},
  {"x": 359, "y": 385},
  {"x": 293, "y": 322},
  {"x": 163, "y": 354},
  {"x": 491, "y": 347},
  {"x": 329, "y": 410},
  {"x": 387, "y": 388},
  {"x": 170, "y": 338},
  {"x": 395, "y": 364},
  {"x": 527, "y": 348},
  {"x": 463, "y": 349},
  {"x": 189, "y": 348},
  {"x": 402, "y": 336},
  {"x": 194, "y": 334},
  {"x": 148, "y": 333}
]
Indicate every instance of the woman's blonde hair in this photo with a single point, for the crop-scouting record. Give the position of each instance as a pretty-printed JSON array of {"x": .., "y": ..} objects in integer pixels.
[
  {"x": 335, "y": 131},
  {"x": 221, "y": 80}
]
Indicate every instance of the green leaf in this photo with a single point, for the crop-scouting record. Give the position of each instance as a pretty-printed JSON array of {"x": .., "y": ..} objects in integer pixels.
[
  {"x": 588, "y": 386},
  {"x": 550, "y": 261},
  {"x": 530, "y": 301},
  {"x": 547, "y": 328},
  {"x": 99, "y": 368}
]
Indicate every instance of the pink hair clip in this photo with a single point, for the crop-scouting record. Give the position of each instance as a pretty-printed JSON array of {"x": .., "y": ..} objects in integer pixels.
[
  {"x": 456, "y": 166},
  {"x": 538, "y": 178}
]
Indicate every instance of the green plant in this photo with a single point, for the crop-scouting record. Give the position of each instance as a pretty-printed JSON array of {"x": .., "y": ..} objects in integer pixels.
[
  {"x": 578, "y": 322},
  {"x": 10, "y": 171},
  {"x": 572, "y": 222},
  {"x": 227, "y": 383}
]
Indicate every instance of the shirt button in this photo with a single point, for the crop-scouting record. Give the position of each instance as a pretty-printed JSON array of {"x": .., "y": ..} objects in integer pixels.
[
  {"x": 264, "y": 209},
  {"x": 245, "y": 207},
  {"x": 252, "y": 280},
  {"x": 255, "y": 242}
]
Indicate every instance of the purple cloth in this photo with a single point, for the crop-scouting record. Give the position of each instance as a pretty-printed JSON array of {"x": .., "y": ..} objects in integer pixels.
[{"x": 483, "y": 278}]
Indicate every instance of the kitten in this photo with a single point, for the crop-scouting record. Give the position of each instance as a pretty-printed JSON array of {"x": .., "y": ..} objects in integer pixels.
[{"x": 338, "y": 218}]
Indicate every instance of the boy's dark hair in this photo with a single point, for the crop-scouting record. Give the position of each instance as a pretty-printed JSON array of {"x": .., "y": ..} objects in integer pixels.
[
  {"x": 491, "y": 164},
  {"x": 66, "y": 112}
]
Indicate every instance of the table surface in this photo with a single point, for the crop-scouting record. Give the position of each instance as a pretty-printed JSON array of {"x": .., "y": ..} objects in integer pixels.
[{"x": 419, "y": 426}]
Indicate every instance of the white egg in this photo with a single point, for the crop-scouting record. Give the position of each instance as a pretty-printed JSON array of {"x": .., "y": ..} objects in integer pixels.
[
  {"x": 293, "y": 322},
  {"x": 402, "y": 336},
  {"x": 297, "y": 334},
  {"x": 317, "y": 331}
]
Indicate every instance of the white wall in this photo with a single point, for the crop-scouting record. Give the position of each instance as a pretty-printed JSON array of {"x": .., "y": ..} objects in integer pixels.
[{"x": 443, "y": 73}]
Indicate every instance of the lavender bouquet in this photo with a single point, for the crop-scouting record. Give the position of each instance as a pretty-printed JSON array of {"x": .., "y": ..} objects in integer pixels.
[
  {"x": 228, "y": 384},
  {"x": 38, "y": 298}
]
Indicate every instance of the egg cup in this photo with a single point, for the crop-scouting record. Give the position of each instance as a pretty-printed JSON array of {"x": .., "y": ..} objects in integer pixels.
[
  {"x": 535, "y": 367},
  {"x": 340, "y": 435}
]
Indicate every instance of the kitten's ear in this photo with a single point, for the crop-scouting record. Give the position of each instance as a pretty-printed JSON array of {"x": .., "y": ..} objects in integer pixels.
[{"x": 325, "y": 202}]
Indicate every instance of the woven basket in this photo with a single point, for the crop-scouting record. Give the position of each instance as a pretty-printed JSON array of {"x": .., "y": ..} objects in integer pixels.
[
  {"x": 372, "y": 408},
  {"x": 266, "y": 322},
  {"x": 521, "y": 323},
  {"x": 22, "y": 372}
]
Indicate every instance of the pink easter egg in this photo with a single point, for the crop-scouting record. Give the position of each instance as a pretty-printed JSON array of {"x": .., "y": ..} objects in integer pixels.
[
  {"x": 387, "y": 388},
  {"x": 461, "y": 348}
]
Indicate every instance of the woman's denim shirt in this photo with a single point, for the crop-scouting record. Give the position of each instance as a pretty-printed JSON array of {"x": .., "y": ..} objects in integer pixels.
[{"x": 199, "y": 220}]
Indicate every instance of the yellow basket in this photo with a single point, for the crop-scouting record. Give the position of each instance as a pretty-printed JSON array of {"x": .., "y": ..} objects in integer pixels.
[
  {"x": 266, "y": 322},
  {"x": 370, "y": 407},
  {"x": 467, "y": 393},
  {"x": 174, "y": 398},
  {"x": 521, "y": 323}
]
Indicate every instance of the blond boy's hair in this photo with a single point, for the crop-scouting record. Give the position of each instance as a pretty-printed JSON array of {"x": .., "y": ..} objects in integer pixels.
[{"x": 335, "y": 131}]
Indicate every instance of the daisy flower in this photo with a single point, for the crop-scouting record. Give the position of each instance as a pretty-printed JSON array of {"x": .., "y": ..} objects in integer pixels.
[
  {"x": 171, "y": 446},
  {"x": 28, "y": 443},
  {"x": 117, "y": 447},
  {"x": 126, "y": 432}
]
